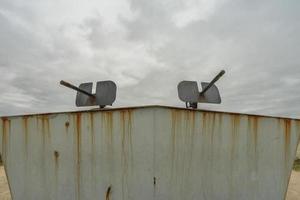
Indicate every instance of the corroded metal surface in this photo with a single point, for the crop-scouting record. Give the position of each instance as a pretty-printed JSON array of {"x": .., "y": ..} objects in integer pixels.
[{"x": 148, "y": 153}]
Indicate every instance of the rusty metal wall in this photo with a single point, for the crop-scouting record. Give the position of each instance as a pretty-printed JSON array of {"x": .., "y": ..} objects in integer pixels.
[{"x": 151, "y": 152}]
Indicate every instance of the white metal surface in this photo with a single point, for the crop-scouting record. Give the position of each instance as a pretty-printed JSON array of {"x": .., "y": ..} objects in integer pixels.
[{"x": 155, "y": 152}]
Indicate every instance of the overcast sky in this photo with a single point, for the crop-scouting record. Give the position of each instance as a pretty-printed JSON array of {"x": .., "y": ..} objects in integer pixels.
[{"x": 147, "y": 47}]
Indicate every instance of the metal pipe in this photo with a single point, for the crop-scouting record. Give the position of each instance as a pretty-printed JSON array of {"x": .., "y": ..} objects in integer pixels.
[
  {"x": 222, "y": 72},
  {"x": 69, "y": 85}
]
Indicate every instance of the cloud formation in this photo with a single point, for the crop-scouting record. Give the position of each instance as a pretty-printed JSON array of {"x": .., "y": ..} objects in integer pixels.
[{"x": 147, "y": 47}]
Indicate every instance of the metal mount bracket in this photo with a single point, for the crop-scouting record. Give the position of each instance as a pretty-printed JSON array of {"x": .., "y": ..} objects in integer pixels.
[
  {"x": 188, "y": 92},
  {"x": 105, "y": 93}
]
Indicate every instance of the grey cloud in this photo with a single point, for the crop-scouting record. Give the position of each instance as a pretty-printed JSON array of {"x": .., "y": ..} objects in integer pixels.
[{"x": 256, "y": 42}]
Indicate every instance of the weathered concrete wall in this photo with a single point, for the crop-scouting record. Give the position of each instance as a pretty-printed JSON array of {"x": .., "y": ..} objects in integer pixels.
[{"x": 148, "y": 153}]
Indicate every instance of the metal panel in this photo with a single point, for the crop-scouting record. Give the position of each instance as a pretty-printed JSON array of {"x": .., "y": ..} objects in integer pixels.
[
  {"x": 148, "y": 153},
  {"x": 83, "y": 99},
  {"x": 212, "y": 95},
  {"x": 188, "y": 91},
  {"x": 106, "y": 93}
]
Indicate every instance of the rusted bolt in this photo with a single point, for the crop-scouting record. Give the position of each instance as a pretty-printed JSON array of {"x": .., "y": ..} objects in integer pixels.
[
  {"x": 108, "y": 191},
  {"x": 56, "y": 154},
  {"x": 67, "y": 124}
]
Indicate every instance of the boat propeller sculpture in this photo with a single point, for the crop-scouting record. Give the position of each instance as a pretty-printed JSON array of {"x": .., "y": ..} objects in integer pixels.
[
  {"x": 105, "y": 93},
  {"x": 188, "y": 92}
]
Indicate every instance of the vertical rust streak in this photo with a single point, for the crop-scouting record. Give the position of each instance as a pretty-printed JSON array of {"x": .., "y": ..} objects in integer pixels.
[
  {"x": 78, "y": 140},
  {"x": 213, "y": 124},
  {"x": 192, "y": 130},
  {"x": 193, "y": 121},
  {"x": 235, "y": 127},
  {"x": 129, "y": 125},
  {"x": 190, "y": 144},
  {"x": 287, "y": 131},
  {"x": 234, "y": 137},
  {"x": 287, "y": 138},
  {"x": 93, "y": 152},
  {"x": 67, "y": 124},
  {"x": 173, "y": 136},
  {"x": 92, "y": 130},
  {"x": 107, "y": 194},
  {"x": 108, "y": 130},
  {"x": 252, "y": 149},
  {"x": 56, "y": 155},
  {"x": 56, "y": 168},
  {"x": 204, "y": 114},
  {"x": 124, "y": 156},
  {"x": 44, "y": 133},
  {"x": 127, "y": 147},
  {"x": 4, "y": 139},
  {"x": 25, "y": 127},
  {"x": 212, "y": 138},
  {"x": 255, "y": 130},
  {"x": 123, "y": 127},
  {"x": 46, "y": 126},
  {"x": 109, "y": 126}
]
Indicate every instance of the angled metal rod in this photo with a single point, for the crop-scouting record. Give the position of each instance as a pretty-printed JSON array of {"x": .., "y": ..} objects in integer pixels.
[
  {"x": 222, "y": 72},
  {"x": 69, "y": 85}
]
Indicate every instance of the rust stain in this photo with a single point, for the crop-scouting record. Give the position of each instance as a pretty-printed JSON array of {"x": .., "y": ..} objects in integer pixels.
[
  {"x": 253, "y": 130},
  {"x": 220, "y": 126},
  {"x": 5, "y": 122},
  {"x": 108, "y": 116},
  {"x": 127, "y": 148},
  {"x": 191, "y": 136},
  {"x": 126, "y": 126},
  {"x": 298, "y": 131},
  {"x": 92, "y": 132},
  {"x": 107, "y": 129},
  {"x": 78, "y": 140},
  {"x": 173, "y": 124},
  {"x": 175, "y": 117},
  {"x": 107, "y": 194},
  {"x": 287, "y": 139},
  {"x": 93, "y": 151},
  {"x": 192, "y": 117},
  {"x": 45, "y": 126},
  {"x": 25, "y": 127},
  {"x": 56, "y": 156},
  {"x": 212, "y": 123},
  {"x": 56, "y": 168},
  {"x": 193, "y": 120},
  {"x": 235, "y": 125},
  {"x": 92, "y": 121},
  {"x": 287, "y": 131},
  {"x": 204, "y": 121},
  {"x": 67, "y": 124}
]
